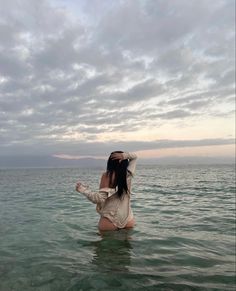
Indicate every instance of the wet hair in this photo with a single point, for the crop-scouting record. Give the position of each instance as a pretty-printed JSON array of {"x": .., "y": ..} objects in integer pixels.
[{"x": 120, "y": 171}]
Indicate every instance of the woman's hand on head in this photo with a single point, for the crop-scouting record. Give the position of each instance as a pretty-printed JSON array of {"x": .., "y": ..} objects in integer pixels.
[{"x": 117, "y": 156}]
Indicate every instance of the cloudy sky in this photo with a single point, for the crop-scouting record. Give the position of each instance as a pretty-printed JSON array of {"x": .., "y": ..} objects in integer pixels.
[{"x": 83, "y": 78}]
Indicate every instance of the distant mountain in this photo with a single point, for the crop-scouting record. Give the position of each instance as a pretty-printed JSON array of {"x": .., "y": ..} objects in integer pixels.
[
  {"x": 188, "y": 160},
  {"x": 54, "y": 162},
  {"x": 49, "y": 162}
]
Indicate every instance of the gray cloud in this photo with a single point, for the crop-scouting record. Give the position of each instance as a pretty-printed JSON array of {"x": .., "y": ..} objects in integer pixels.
[
  {"x": 174, "y": 114},
  {"x": 116, "y": 67}
]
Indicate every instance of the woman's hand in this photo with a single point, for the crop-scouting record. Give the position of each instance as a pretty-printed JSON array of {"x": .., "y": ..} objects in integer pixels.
[
  {"x": 117, "y": 156},
  {"x": 77, "y": 187},
  {"x": 80, "y": 187}
]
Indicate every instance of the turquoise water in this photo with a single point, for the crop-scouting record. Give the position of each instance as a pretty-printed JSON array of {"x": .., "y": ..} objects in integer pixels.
[{"x": 184, "y": 237}]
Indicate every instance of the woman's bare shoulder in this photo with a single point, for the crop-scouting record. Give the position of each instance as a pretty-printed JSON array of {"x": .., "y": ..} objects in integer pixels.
[
  {"x": 104, "y": 175},
  {"x": 104, "y": 180}
]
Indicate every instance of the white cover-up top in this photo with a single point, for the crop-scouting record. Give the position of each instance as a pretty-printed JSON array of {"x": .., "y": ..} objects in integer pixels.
[{"x": 109, "y": 204}]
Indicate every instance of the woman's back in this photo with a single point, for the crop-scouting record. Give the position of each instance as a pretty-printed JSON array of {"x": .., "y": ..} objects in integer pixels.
[{"x": 113, "y": 198}]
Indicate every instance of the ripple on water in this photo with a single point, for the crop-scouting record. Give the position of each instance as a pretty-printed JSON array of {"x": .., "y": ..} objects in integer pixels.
[{"x": 184, "y": 238}]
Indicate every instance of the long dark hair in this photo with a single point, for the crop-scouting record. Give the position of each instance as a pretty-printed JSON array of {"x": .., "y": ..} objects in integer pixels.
[{"x": 120, "y": 170}]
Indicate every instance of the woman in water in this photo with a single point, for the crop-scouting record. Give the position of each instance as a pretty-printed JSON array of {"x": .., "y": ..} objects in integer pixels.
[{"x": 113, "y": 197}]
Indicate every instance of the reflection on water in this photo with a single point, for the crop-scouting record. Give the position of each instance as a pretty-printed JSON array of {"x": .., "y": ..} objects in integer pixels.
[
  {"x": 109, "y": 266},
  {"x": 113, "y": 251}
]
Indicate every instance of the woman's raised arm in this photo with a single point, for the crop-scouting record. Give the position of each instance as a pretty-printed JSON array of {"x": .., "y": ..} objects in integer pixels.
[{"x": 132, "y": 157}]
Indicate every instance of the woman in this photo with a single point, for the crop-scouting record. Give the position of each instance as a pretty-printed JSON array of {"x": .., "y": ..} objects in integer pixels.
[{"x": 113, "y": 198}]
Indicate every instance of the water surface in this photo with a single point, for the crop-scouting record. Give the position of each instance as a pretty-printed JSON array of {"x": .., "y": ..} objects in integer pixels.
[{"x": 184, "y": 237}]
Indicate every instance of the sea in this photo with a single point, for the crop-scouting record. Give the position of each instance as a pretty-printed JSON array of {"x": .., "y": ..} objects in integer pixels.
[{"x": 184, "y": 237}]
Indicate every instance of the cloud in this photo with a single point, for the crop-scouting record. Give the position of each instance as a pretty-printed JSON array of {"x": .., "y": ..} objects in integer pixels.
[
  {"x": 174, "y": 114},
  {"x": 78, "y": 73}
]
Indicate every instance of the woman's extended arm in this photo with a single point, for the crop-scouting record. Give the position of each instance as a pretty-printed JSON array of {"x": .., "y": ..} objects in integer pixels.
[{"x": 95, "y": 197}]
